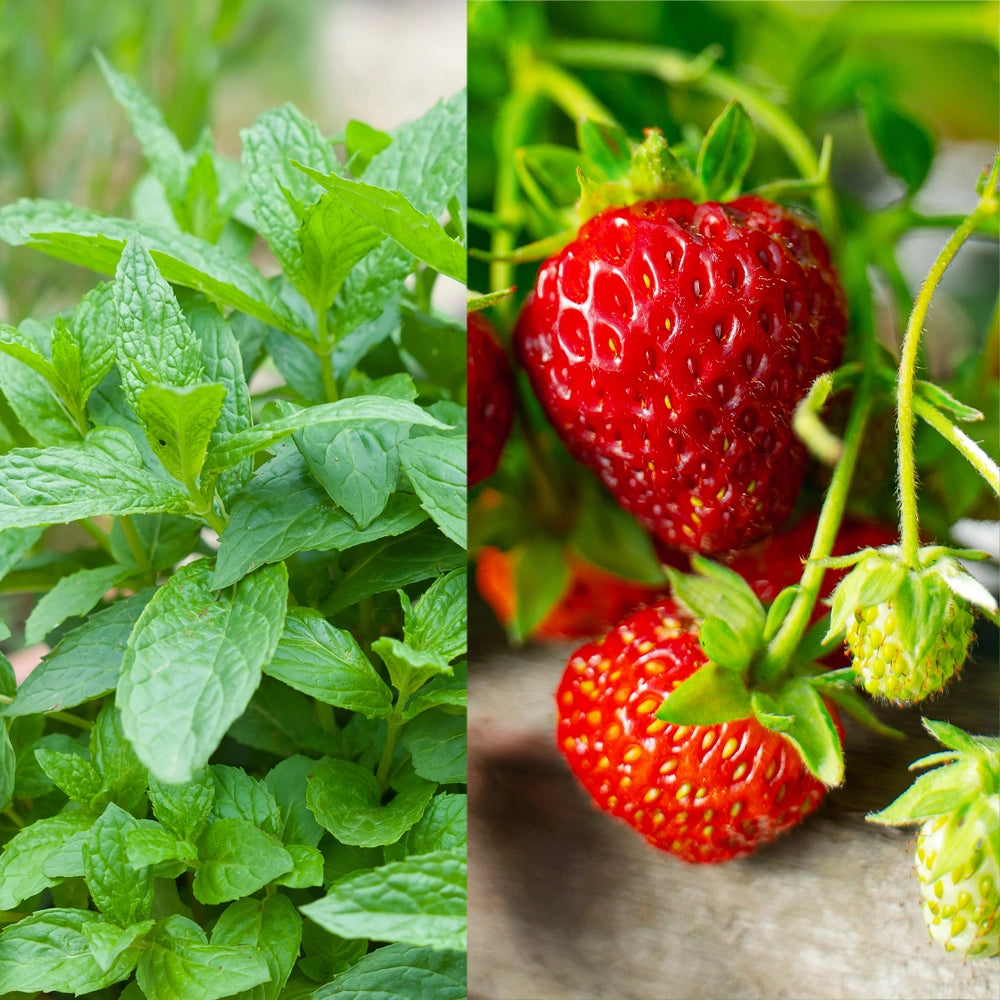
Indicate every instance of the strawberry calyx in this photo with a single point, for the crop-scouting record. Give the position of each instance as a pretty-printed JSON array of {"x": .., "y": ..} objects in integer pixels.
[
  {"x": 964, "y": 786},
  {"x": 733, "y": 631}
]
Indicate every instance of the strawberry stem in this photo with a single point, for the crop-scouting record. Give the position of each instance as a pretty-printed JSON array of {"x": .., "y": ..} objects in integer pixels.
[{"x": 909, "y": 525}]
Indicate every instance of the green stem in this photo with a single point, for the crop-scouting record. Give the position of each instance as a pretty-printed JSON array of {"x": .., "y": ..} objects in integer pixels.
[
  {"x": 909, "y": 524},
  {"x": 96, "y": 532},
  {"x": 679, "y": 68},
  {"x": 139, "y": 554},
  {"x": 781, "y": 648},
  {"x": 67, "y": 717},
  {"x": 977, "y": 458},
  {"x": 326, "y": 356},
  {"x": 545, "y": 79},
  {"x": 11, "y": 813}
]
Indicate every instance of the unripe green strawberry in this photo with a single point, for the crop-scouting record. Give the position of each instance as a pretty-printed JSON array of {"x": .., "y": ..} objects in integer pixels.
[
  {"x": 907, "y": 627},
  {"x": 962, "y": 905},
  {"x": 888, "y": 667},
  {"x": 958, "y": 848}
]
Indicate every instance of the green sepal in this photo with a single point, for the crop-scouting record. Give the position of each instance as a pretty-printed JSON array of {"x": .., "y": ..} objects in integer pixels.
[
  {"x": 840, "y": 686},
  {"x": 719, "y": 592},
  {"x": 778, "y": 610},
  {"x": 726, "y": 152},
  {"x": 797, "y": 712},
  {"x": 921, "y": 607},
  {"x": 957, "y": 739},
  {"x": 875, "y": 579},
  {"x": 657, "y": 172},
  {"x": 606, "y": 148},
  {"x": 548, "y": 177},
  {"x": 943, "y": 400},
  {"x": 941, "y": 791},
  {"x": 968, "y": 829},
  {"x": 964, "y": 586},
  {"x": 711, "y": 695},
  {"x": 724, "y": 645}
]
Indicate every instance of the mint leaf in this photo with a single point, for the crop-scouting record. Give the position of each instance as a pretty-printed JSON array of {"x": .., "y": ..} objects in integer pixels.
[
  {"x": 345, "y": 798},
  {"x": 443, "y": 827},
  {"x": 436, "y": 622},
  {"x": 437, "y": 742},
  {"x": 283, "y": 511},
  {"x": 92, "y": 330},
  {"x": 436, "y": 467},
  {"x": 70, "y": 773},
  {"x": 108, "y": 942},
  {"x": 102, "y": 475},
  {"x": 402, "y": 972},
  {"x": 179, "y": 423},
  {"x": 183, "y": 808},
  {"x": 192, "y": 663},
  {"x": 327, "y": 663},
  {"x": 287, "y": 782},
  {"x": 420, "y": 900},
  {"x": 236, "y": 858},
  {"x": 273, "y": 929},
  {"x": 121, "y": 892},
  {"x": 74, "y": 594},
  {"x": 48, "y": 951},
  {"x": 84, "y": 665},
  {"x": 238, "y": 796},
  {"x": 23, "y": 858},
  {"x": 178, "y": 963}
]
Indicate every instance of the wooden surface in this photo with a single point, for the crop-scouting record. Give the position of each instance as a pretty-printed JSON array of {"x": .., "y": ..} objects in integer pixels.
[{"x": 566, "y": 902}]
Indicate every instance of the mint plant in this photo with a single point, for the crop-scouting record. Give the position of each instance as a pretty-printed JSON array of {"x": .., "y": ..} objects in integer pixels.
[{"x": 239, "y": 770}]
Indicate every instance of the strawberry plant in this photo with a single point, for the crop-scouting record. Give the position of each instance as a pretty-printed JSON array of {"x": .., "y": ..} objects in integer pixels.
[
  {"x": 695, "y": 297},
  {"x": 239, "y": 503}
]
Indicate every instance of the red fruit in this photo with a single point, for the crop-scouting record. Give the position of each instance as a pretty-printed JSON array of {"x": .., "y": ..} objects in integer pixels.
[
  {"x": 669, "y": 344},
  {"x": 703, "y": 793},
  {"x": 594, "y": 601},
  {"x": 491, "y": 398}
]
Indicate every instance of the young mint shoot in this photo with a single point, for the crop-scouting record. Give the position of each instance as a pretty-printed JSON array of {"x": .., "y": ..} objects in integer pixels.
[{"x": 239, "y": 767}]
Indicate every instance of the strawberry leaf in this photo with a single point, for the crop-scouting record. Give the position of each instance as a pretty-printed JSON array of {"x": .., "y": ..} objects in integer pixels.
[{"x": 711, "y": 695}]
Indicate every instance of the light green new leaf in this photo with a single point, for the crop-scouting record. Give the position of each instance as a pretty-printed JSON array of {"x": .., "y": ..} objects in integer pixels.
[
  {"x": 84, "y": 665},
  {"x": 270, "y": 432},
  {"x": 164, "y": 153},
  {"x": 122, "y": 893},
  {"x": 107, "y": 942},
  {"x": 443, "y": 827},
  {"x": 123, "y": 777},
  {"x": 48, "y": 951},
  {"x": 419, "y": 900},
  {"x": 95, "y": 241},
  {"x": 178, "y": 963},
  {"x": 92, "y": 333},
  {"x": 409, "y": 668},
  {"x": 391, "y": 213},
  {"x": 183, "y": 809},
  {"x": 101, "y": 475},
  {"x": 436, "y": 467},
  {"x": 179, "y": 423},
  {"x": 74, "y": 594},
  {"x": 236, "y": 858},
  {"x": 271, "y": 927},
  {"x": 401, "y": 972},
  {"x": 437, "y": 621},
  {"x": 345, "y": 798},
  {"x": 238, "y": 796},
  {"x": 327, "y": 663},
  {"x": 70, "y": 773},
  {"x": 193, "y": 662}
]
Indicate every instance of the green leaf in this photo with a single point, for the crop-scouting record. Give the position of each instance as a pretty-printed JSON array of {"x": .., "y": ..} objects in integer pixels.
[
  {"x": 238, "y": 796},
  {"x": 178, "y": 963},
  {"x": 8, "y": 763},
  {"x": 718, "y": 592},
  {"x": 165, "y": 155},
  {"x": 123, "y": 778},
  {"x": 70, "y": 773},
  {"x": 183, "y": 809},
  {"x": 269, "y": 432},
  {"x": 147, "y": 846},
  {"x": 272, "y": 928},
  {"x": 436, "y": 468},
  {"x": 363, "y": 142},
  {"x": 610, "y": 538},
  {"x": 193, "y": 662},
  {"x": 48, "y": 951},
  {"x": 345, "y": 798},
  {"x": 121, "y": 892},
  {"x": 179, "y": 423},
  {"x": 437, "y": 621},
  {"x": 408, "y": 668},
  {"x": 101, "y": 475},
  {"x": 22, "y": 873},
  {"x": 437, "y": 743},
  {"x": 798, "y": 713},
  {"x": 92, "y": 332},
  {"x": 327, "y": 663},
  {"x": 420, "y": 900},
  {"x": 726, "y": 152},
  {"x": 74, "y": 594},
  {"x": 778, "y": 611},
  {"x": 904, "y": 144},
  {"x": 236, "y": 859},
  {"x": 15, "y": 544},
  {"x": 712, "y": 694},
  {"x": 287, "y": 782},
  {"x": 443, "y": 827},
  {"x": 391, "y": 563},
  {"x": 391, "y": 213},
  {"x": 307, "y": 867},
  {"x": 84, "y": 665},
  {"x": 401, "y": 972},
  {"x": 108, "y": 942},
  {"x": 282, "y": 511},
  {"x": 92, "y": 240}
]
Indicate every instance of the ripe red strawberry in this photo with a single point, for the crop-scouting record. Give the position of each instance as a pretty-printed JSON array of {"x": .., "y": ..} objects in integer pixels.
[
  {"x": 669, "y": 344},
  {"x": 491, "y": 398},
  {"x": 703, "y": 793},
  {"x": 594, "y": 601}
]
